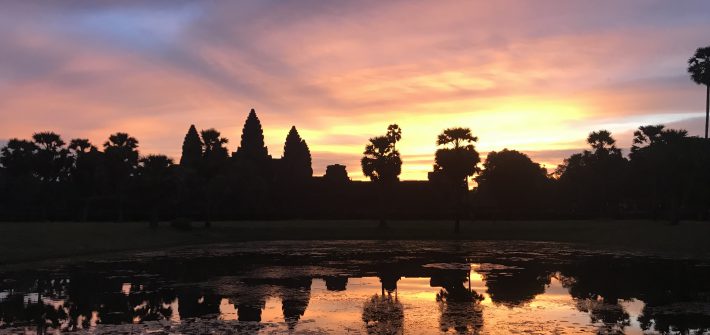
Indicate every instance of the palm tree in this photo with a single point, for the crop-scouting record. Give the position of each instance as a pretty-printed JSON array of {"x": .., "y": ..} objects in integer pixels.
[
  {"x": 51, "y": 166},
  {"x": 121, "y": 157},
  {"x": 156, "y": 173},
  {"x": 85, "y": 171},
  {"x": 215, "y": 157},
  {"x": 457, "y": 163},
  {"x": 699, "y": 69},
  {"x": 602, "y": 142},
  {"x": 382, "y": 163}
]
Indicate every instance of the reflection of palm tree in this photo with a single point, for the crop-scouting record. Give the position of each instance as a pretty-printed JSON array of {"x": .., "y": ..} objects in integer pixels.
[
  {"x": 459, "y": 305},
  {"x": 383, "y": 314},
  {"x": 460, "y": 310},
  {"x": 610, "y": 314}
]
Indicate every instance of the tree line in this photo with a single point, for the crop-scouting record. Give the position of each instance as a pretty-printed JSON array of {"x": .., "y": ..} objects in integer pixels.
[{"x": 45, "y": 178}]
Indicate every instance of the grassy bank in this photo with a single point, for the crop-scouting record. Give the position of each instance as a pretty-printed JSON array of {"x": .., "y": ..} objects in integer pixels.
[{"x": 28, "y": 241}]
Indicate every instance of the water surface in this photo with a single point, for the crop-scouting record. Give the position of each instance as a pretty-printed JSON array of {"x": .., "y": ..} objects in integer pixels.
[{"x": 363, "y": 287}]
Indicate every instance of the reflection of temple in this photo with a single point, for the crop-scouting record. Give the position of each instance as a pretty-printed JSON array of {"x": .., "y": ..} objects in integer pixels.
[
  {"x": 668, "y": 295},
  {"x": 295, "y": 295},
  {"x": 336, "y": 283}
]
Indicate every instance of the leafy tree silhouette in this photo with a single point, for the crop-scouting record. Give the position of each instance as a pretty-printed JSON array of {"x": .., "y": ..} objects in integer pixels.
[
  {"x": 382, "y": 164},
  {"x": 661, "y": 161},
  {"x": 699, "y": 70},
  {"x": 512, "y": 181},
  {"x": 18, "y": 160},
  {"x": 655, "y": 135},
  {"x": 18, "y": 157},
  {"x": 594, "y": 180},
  {"x": 191, "y": 150},
  {"x": 602, "y": 143},
  {"x": 457, "y": 163},
  {"x": 121, "y": 159}
]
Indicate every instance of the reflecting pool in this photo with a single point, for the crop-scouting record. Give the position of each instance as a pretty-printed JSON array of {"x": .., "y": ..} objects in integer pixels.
[{"x": 362, "y": 287}]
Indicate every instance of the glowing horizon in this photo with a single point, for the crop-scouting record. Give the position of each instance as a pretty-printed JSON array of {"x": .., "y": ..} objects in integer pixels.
[{"x": 531, "y": 77}]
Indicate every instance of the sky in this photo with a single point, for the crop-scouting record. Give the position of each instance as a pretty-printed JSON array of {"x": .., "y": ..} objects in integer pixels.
[{"x": 535, "y": 76}]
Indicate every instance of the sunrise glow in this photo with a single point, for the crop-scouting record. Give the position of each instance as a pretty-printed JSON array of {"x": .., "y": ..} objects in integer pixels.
[{"x": 341, "y": 74}]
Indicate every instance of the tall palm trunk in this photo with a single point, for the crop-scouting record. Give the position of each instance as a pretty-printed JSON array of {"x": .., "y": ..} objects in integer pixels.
[
  {"x": 707, "y": 109},
  {"x": 458, "y": 194},
  {"x": 382, "y": 207},
  {"x": 208, "y": 210},
  {"x": 85, "y": 209}
]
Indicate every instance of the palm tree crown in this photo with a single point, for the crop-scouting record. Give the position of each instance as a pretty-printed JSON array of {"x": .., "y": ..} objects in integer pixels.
[
  {"x": 457, "y": 136},
  {"x": 699, "y": 66}
]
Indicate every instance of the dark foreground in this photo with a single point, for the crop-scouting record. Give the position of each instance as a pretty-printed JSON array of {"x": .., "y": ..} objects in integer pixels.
[
  {"x": 362, "y": 287},
  {"x": 32, "y": 241}
]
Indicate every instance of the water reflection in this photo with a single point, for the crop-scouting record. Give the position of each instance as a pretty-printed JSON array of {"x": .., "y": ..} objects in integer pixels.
[
  {"x": 356, "y": 287},
  {"x": 459, "y": 305}
]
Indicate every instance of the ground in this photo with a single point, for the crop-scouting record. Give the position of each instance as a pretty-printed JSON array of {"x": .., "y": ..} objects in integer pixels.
[{"x": 33, "y": 241}]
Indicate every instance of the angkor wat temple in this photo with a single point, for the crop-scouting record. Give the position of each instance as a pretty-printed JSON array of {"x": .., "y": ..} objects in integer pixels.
[{"x": 285, "y": 187}]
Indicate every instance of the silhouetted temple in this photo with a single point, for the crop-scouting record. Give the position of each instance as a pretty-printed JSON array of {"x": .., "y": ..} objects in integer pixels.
[{"x": 286, "y": 188}]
